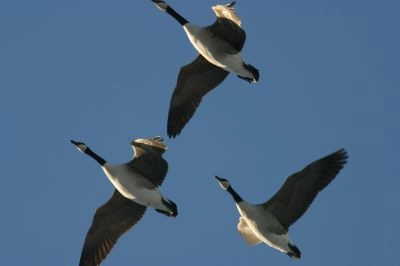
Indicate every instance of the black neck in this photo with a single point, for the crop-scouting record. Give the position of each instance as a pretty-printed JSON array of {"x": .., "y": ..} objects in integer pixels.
[
  {"x": 176, "y": 15},
  {"x": 235, "y": 195},
  {"x": 98, "y": 159}
]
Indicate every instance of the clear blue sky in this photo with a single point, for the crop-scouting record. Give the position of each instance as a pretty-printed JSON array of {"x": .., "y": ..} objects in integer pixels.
[{"x": 102, "y": 72}]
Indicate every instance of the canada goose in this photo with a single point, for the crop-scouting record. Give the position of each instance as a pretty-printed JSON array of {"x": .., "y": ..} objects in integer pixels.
[
  {"x": 135, "y": 185},
  {"x": 269, "y": 222},
  {"x": 219, "y": 47}
]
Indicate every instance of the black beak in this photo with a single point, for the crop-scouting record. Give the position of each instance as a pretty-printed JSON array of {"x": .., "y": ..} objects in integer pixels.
[
  {"x": 218, "y": 178},
  {"x": 74, "y": 142}
]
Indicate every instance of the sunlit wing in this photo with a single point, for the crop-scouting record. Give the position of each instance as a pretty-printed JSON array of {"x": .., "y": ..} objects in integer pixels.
[
  {"x": 228, "y": 12},
  {"x": 246, "y": 233}
]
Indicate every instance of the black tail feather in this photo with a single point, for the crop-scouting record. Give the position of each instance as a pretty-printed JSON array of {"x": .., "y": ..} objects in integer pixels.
[
  {"x": 254, "y": 71},
  {"x": 172, "y": 206},
  {"x": 295, "y": 254}
]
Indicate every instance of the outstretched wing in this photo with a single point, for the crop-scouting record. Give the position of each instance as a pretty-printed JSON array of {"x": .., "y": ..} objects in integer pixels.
[
  {"x": 110, "y": 221},
  {"x": 301, "y": 188},
  {"x": 148, "y": 160},
  {"x": 194, "y": 81}
]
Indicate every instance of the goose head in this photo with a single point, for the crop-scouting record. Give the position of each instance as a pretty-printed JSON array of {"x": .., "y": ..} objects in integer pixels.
[
  {"x": 225, "y": 185},
  {"x": 80, "y": 145},
  {"x": 160, "y": 4}
]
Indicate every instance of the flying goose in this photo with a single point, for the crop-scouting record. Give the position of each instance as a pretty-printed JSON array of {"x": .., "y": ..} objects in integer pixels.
[
  {"x": 269, "y": 222},
  {"x": 219, "y": 47},
  {"x": 136, "y": 184}
]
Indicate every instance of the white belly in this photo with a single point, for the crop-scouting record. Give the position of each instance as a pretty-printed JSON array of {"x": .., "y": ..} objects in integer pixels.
[
  {"x": 206, "y": 44},
  {"x": 260, "y": 226},
  {"x": 131, "y": 189}
]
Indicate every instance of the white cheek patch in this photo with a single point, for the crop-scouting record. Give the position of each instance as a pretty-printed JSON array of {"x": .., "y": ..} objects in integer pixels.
[
  {"x": 162, "y": 6},
  {"x": 81, "y": 148},
  {"x": 224, "y": 185}
]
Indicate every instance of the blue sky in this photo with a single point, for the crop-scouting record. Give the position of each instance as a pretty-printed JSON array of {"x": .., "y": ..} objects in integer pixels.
[{"x": 102, "y": 72}]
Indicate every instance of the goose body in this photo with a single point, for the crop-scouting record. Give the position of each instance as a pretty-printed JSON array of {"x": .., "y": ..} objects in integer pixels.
[
  {"x": 269, "y": 222},
  {"x": 219, "y": 47},
  {"x": 214, "y": 49},
  {"x": 257, "y": 225},
  {"x": 136, "y": 188}
]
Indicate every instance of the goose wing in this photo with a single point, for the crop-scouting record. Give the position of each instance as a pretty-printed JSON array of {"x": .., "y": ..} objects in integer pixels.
[
  {"x": 301, "y": 188},
  {"x": 228, "y": 26},
  {"x": 148, "y": 160},
  {"x": 246, "y": 233},
  {"x": 110, "y": 221},
  {"x": 194, "y": 81}
]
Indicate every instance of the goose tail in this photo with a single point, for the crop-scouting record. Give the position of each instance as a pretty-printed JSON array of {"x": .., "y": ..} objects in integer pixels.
[
  {"x": 294, "y": 252},
  {"x": 254, "y": 72},
  {"x": 172, "y": 208}
]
